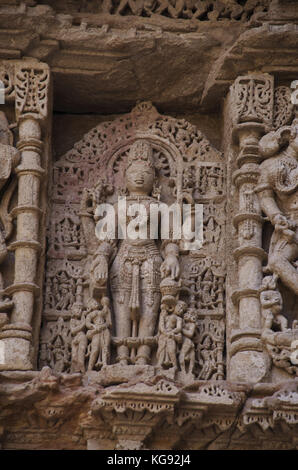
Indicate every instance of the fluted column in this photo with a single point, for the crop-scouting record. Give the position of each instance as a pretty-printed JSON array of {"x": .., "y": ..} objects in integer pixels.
[
  {"x": 31, "y": 90},
  {"x": 252, "y": 108}
]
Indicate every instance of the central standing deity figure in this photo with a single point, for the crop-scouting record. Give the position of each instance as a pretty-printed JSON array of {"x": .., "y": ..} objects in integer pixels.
[{"x": 134, "y": 266}]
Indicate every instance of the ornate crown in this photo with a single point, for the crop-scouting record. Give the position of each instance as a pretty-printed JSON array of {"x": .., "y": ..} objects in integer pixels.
[{"x": 141, "y": 150}]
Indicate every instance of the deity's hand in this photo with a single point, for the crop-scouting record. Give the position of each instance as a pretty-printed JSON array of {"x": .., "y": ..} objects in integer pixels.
[
  {"x": 170, "y": 267},
  {"x": 100, "y": 270}
]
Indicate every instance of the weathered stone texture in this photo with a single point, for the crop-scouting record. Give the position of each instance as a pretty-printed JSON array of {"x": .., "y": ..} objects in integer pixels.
[{"x": 135, "y": 342}]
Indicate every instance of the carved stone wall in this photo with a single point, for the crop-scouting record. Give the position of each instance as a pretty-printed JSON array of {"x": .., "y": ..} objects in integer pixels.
[
  {"x": 188, "y": 169},
  {"x": 112, "y": 340}
]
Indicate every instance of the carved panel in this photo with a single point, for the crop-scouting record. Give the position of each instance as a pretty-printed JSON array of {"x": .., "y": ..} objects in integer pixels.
[
  {"x": 31, "y": 89},
  {"x": 253, "y": 99},
  {"x": 145, "y": 278}
]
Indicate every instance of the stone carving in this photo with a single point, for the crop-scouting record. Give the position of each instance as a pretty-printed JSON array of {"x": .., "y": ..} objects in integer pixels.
[
  {"x": 66, "y": 235},
  {"x": 271, "y": 301},
  {"x": 252, "y": 103},
  {"x": 56, "y": 346},
  {"x": 148, "y": 322},
  {"x": 209, "y": 180},
  {"x": 63, "y": 288},
  {"x": 170, "y": 334},
  {"x": 283, "y": 111},
  {"x": 277, "y": 191},
  {"x": 203, "y": 10},
  {"x": 134, "y": 274},
  {"x": 213, "y": 228},
  {"x": 253, "y": 99},
  {"x": 79, "y": 339},
  {"x": 206, "y": 313},
  {"x": 7, "y": 78},
  {"x": 27, "y": 86},
  {"x": 9, "y": 158},
  {"x": 31, "y": 90},
  {"x": 98, "y": 323},
  {"x": 276, "y": 335},
  {"x": 210, "y": 346},
  {"x": 187, "y": 353},
  {"x": 204, "y": 279}
]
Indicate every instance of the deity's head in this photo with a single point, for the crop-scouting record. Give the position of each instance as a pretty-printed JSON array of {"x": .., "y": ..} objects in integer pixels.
[{"x": 140, "y": 168}]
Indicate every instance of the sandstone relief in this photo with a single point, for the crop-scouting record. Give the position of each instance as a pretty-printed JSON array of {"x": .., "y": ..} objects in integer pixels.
[
  {"x": 148, "y": 247},
  {"x": 133, "y": 302},
  {"x": 203, "y": 10}
]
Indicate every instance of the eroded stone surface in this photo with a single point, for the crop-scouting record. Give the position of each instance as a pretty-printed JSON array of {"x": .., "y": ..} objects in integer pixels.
[{"x": 141, "y": 343}]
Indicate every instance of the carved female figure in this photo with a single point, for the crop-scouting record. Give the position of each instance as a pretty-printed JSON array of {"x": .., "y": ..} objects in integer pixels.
[
  {"x": 79, "y": 339},
  {"x": 135, "y": 271},
  {"x": 98, "y": 323},
  {"x": 187, "y": 352},
  {"x": 207, "y": 358},
  {"x": 170, "y": 334}
]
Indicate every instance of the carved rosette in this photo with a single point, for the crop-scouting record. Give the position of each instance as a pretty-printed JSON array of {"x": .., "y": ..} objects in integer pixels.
[{"x": 27, "y": 84}]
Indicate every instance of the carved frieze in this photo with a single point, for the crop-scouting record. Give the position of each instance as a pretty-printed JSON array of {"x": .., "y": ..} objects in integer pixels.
[{"x": 202, "y": 10}]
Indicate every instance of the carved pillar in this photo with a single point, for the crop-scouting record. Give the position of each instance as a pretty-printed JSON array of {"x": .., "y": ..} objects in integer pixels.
[
  {"x": 252, "y": 108},
  {"x": 31, "y": 82}
]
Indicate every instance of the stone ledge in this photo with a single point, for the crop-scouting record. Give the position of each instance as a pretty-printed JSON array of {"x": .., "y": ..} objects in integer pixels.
[{"x": 46, "y": 404}]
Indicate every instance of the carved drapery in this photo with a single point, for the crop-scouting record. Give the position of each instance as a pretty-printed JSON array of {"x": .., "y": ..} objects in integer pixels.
[{"x": 27, "y": 87}]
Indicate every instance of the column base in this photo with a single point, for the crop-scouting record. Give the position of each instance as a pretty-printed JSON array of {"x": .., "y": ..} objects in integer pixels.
[
  {"x": 249, "y": 367},
  {"x": 15, "y": 349}
]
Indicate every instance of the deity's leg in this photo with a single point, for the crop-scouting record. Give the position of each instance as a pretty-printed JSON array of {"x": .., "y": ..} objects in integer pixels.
[
  {"x": 147, "y": 324},
  {"x": 106, "y": 339},
  {"x": 160, "y": 355},
  {"x": 123, "y": 323},
  {"x": 80, "y": 359},
  {"x": 182, "y": 357},
  {"x": 74, "y": 356},
  {"x": 191, "y": 361},
  {"x": 172, "y": 352},
  {"x": 95, "y": 344}
]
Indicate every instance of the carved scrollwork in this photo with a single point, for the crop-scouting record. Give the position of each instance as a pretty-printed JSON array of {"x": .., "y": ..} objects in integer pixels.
[
  {"x": 253, "y": 99},
  {"x": 31, "y": 90},
  {"x": 283, "y": 111}
]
